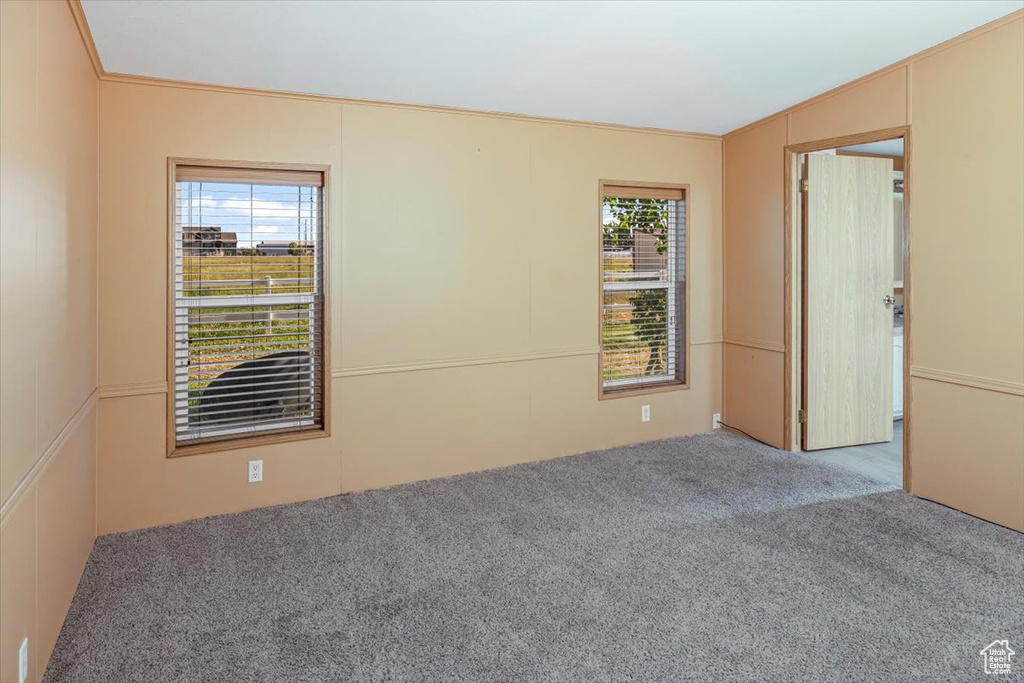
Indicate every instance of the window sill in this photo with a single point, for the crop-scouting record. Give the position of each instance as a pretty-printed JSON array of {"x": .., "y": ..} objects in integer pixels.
[
  {"x": 652, "y": 388},
  {"x": 238, "y": 443}
]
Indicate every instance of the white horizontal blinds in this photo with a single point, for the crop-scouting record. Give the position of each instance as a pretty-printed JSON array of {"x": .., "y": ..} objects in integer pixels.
[
  {"x": 643, "y": 282},
  {"x": 249, "y": 303}
]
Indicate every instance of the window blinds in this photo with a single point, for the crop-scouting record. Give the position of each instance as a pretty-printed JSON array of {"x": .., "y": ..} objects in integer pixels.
[
  {"x": 643, "y": 279},
  {"x": 248, "y": 303}
]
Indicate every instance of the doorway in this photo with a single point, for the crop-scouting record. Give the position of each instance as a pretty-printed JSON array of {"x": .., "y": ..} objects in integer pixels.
[{"x": 848, "y": 304}]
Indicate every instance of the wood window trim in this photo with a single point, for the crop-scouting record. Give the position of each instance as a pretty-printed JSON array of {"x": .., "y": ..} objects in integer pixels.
[
  {"x": 245, "y": 172},
  {"x": 255, "y": 176},
  {"x": 644, "y": 390},
  {"x": 643, "y": 190}
]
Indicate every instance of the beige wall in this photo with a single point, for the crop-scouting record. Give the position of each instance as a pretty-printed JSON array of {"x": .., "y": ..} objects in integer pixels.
[
  {"x": 464, "y": 293},
  {"x": 464, "y": 271},
  {"x": 753, "y": 272},
  {"x": 48, "y": 323},
  {"x": 965, "y": 105}
]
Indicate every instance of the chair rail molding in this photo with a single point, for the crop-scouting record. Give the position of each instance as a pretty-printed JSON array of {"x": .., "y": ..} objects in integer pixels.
[
  {"x": 132, "y": 389},
  {"x": 42, "y": 463},
  {"x": 459, "y": 362},
  {"x": 966, "y": 380},
  {"x": 751, "y": 343}
]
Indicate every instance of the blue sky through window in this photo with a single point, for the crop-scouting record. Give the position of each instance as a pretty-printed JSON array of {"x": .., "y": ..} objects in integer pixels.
[{"x": 255, "y": 213}]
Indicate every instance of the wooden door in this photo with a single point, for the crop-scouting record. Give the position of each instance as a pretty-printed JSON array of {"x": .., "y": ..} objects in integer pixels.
[{"x": 848, "y": 311}]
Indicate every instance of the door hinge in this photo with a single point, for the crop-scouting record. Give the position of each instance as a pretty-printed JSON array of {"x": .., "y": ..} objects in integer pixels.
[
  {"x": 801, "y": 416},
  {"x": 803, "y": 184}
]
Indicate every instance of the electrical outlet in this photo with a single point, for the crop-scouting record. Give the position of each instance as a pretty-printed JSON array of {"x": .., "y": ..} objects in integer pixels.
[
  {"x": 255, "y": 471},
  {"x": 23, "y": 661},
  {"x": 645, "y": 413},
  {"x": 716, "y": 421}
]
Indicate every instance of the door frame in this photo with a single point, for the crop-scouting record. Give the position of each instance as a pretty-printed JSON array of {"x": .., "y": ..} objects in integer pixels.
[{"x": 793, "y": 322}]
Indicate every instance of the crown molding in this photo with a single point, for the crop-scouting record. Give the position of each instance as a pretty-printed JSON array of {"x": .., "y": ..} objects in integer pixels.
[
  {"x": 527, "y": 118},
  {"x": 83, "y": 30}
]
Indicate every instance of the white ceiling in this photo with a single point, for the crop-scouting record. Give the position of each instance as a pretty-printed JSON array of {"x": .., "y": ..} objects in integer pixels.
[
  {"x": 697, "y": 66},
  {"x": 892, "y": 148}
]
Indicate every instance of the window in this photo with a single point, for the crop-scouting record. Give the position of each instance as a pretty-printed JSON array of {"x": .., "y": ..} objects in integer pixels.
[
  {"x": 643, "y": 287},
  {"x": 248, "y": 348}
]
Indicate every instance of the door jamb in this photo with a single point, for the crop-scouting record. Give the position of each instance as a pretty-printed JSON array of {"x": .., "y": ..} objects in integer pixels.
[{"x": 792, "y": 277}]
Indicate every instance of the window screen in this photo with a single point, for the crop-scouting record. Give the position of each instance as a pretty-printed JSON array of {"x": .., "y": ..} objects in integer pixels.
[
  {"x": 248, "y": 303},
  {"x": 643, "y": 280}
]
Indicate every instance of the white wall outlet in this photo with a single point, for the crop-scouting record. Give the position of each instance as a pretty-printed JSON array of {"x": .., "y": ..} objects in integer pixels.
[
  {"x": 23, "y": 661},
  {"x": 255, "y": 471},
  {"x": 716, "y": 421},
  {"x": 645, "y": 413}
]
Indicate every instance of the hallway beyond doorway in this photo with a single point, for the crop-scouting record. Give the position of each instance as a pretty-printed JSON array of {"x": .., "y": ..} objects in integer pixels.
[{"x": 880, "y": 461}]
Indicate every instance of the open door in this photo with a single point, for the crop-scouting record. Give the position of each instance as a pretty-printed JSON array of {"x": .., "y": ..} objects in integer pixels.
[{"x": 847, "y": 301}]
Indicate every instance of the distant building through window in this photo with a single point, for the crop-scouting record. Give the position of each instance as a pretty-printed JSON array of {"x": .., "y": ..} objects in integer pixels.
[{"x": 197, "y": 240}]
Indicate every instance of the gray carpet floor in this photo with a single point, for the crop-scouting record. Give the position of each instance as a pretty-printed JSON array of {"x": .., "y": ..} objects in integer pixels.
[{"x": 702, "y": 558}]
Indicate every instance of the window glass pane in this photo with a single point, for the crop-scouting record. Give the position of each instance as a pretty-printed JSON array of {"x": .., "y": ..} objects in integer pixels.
[
  {"x": 643, "y": 269},
  {"x": 249, "y": 308}
]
